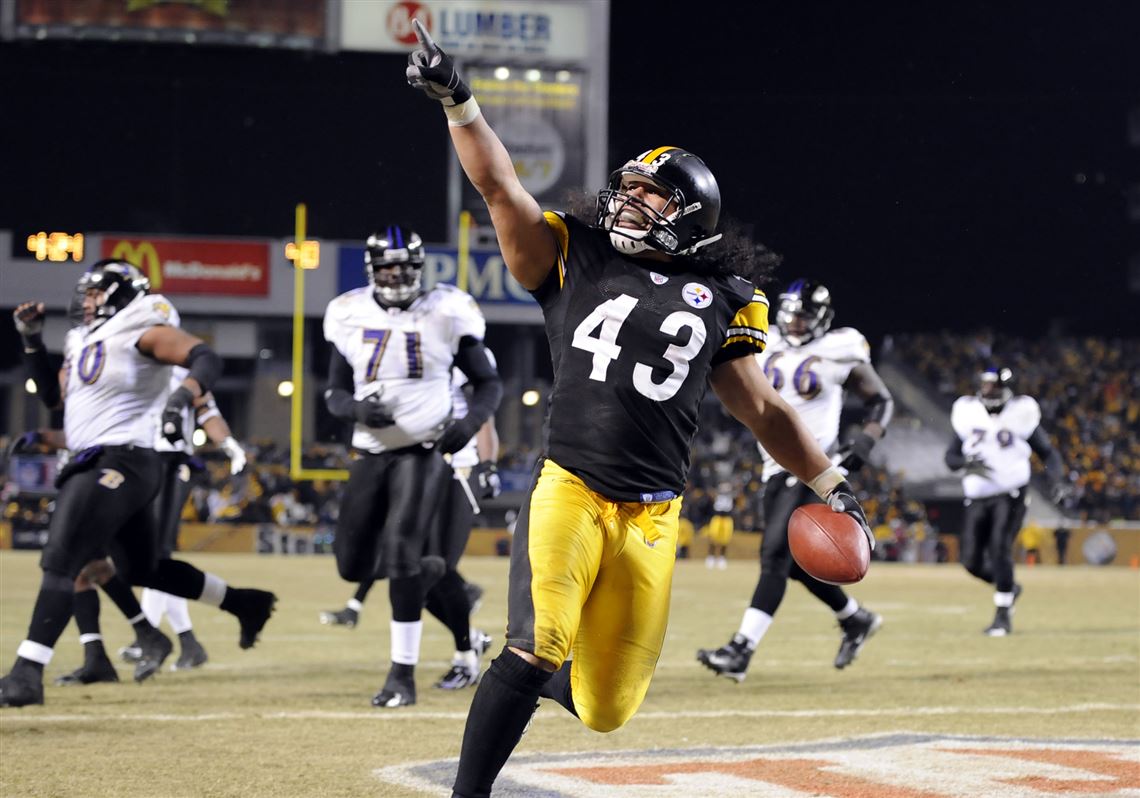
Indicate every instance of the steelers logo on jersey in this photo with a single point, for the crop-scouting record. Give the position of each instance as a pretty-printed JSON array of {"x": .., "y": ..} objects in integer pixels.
[{"x": 696, "y": 295}]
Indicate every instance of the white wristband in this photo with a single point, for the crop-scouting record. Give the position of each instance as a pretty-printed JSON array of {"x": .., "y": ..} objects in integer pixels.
[
  {"x": 826, "y": 482},
  {"x": 463, "y": 114}
]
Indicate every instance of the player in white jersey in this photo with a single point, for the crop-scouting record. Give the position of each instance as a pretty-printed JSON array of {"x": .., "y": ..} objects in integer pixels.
[
  {"x": 115, "y": 383},
  {"x": 812, "y": 367},
  {"x": 996, "y": 432},
  {"x": 394, "y": 345}
]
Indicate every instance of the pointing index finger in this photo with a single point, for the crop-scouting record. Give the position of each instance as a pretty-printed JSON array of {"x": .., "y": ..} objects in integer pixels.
[{"x": 422, "y": 34}]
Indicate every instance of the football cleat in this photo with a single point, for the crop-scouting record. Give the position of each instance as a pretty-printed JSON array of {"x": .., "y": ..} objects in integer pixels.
[
  {"x": 480, "y": 642},
  {"x": 464, "y": 672},
  {"x": 343, "y": 617},
  {"x": 856, "y": 630},
  {"x": 131, "y": 653},
  {"x": 1001, "y": 625},
  {"x": 253, "y": 610},
  {"x": 98, "y": 669},
  {"x": 154, "y": 648},
  {"x": 397, "y": 692},
  {"x": 192, "y": 656},
  {"x": 20, "y": 690},
  {"x": 474, "y": 596},
  {"x": 730, "y": 660}
]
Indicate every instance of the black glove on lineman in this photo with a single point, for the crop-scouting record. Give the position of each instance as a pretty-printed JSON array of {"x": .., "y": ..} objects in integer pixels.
[
  {"x": 26, "y": 442},
  {"x": 172, "y": 416},
  {"x": 432, "y": 71},
  {"x": 455, "y": 437},
  {"x": 842, "y": 500},
  {"x": 486, "y": 476},
  {"x": 857, "y": 453},
  {"x": 371, "y": 413}
]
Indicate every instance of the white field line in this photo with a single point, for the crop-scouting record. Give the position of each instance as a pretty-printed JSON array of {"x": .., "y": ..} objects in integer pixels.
[{"x": 13, "y": 717}]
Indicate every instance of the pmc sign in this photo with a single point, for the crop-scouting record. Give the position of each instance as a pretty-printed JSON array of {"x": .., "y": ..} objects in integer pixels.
[{"x": 177, "y": 266}]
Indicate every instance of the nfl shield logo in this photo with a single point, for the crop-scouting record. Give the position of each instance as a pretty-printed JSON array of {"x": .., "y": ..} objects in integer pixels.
[
  {"x": 696, "y": 295},
  {"x": 658, "y": 279}
]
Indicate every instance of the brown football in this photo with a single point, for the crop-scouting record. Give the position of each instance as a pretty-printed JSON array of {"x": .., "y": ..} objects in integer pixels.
[{"x": 828, "y": 545}]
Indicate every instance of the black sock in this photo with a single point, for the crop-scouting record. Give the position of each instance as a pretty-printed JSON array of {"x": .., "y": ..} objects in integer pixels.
[
  {"x": 120, "y": 592},
  {"x": 179, "y": 579},
  {"x": 187, "y": 637},
  {"x": 558, "y": 688},
  {"x": 503, "y": 705},
  {"x": 86, "y": 610},
  {"x": 362, "y": 590},
  {"x": 54, "y": 605},
  {"x": 447, "y": 600}
]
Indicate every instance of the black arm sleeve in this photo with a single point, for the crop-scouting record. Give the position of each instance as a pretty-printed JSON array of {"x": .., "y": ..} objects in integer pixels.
[
  {"x": 486, "y": 385},
  {"x": 1039, "y": 443},
  {"x": 954, "y": 457},
  {"x": 205, "y": 366},
  {"x": 878, "y": 406},
  {"x": 338, "y": 389},
  {"x": 37, "y": 364}
]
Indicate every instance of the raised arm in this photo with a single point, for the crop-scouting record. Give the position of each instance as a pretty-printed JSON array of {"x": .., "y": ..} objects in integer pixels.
[{"x": 528, "y": 246}]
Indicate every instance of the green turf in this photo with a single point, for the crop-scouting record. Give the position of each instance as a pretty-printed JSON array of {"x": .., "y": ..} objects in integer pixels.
[{"x": 292, "y": 716}]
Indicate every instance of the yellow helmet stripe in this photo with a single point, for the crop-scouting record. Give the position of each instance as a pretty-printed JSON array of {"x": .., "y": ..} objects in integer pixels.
[{"x": 655, "y": 154}]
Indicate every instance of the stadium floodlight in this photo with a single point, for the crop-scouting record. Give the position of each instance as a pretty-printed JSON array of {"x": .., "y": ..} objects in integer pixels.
[
  {"x": 530, "y": 398},
  {"x": 199, "y": 437},
  {"x": 30, "y": 385},
  {"x": 285, "y": 388}
]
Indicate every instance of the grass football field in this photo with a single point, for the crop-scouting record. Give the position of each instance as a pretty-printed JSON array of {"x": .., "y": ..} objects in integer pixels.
[{"x": 931, "y": 707}]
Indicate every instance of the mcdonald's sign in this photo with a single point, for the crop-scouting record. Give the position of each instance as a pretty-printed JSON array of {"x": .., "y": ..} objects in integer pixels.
[{"x": 185, "y": 266}]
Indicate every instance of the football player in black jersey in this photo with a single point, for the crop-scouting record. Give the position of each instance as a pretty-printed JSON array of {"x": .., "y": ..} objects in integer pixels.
[{"x": 642, "y": 316}]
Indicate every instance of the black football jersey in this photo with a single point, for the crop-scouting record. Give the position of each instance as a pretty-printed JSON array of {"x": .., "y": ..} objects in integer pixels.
[{"x": 633, "y": 342}]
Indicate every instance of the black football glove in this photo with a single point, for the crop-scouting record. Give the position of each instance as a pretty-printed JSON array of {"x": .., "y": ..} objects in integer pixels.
[
  {"x": 977, "y": 466},
  {"x": 28, "y": 442},
  {"x": 842, "y": 500},
  {"x": 371, "y": 413},
  {"x": 456, "y": 436},
  {"x": 857, "y": 452},
  {"x": 432, "y": 71},
  {"x": 172, "y": 414},
  {"x": 486, "y": 476}
]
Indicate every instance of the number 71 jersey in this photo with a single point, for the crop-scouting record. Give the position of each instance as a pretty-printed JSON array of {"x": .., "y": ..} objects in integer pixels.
[
  {"x": 403, "y": 358},
  {"x": 633, "y": 342}
]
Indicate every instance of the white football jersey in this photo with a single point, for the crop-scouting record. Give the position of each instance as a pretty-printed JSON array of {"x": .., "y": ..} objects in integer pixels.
[
  {"x": 115, "y": 393},
  {"x": 810, "y": 378},
  {"x": 468, "y": 456},
  {"x": 1000, "y": 439},
  {"x": 161, "y": 444},
  {"x": 404, "y": 358}
]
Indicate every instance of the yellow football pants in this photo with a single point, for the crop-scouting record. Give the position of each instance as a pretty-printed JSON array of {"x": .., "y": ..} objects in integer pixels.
[{"x": 591, "y": 577}]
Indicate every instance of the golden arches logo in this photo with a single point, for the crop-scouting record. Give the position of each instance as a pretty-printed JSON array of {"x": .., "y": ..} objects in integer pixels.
[{"x": 144, "y": 256}]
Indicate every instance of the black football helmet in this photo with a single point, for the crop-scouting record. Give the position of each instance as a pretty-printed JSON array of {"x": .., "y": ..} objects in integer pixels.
[
  {"x": 689, "y": 220},
  {"x": 394, "y": 263},
  {"x": 117, "y": 284},
  {"x": 995, "y": 388},
  {"x": 804, "y": 312}
]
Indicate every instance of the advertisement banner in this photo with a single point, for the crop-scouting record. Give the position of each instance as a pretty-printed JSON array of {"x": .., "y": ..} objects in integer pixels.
[
  {"x": 186, "y": 266},
  {"x": 539, "y": 29},
  {"x": 487, "y": 278},
  {"x": 281, "y": 23}
]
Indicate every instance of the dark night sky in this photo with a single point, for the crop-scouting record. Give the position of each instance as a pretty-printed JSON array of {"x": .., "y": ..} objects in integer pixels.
[{"x": 923, "y": 163}]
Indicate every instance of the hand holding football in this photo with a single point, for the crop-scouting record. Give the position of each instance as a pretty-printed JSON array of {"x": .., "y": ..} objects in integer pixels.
[{"x": 828, "y": 545}]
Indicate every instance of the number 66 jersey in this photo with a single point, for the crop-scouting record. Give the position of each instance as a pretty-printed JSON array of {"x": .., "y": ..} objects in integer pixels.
[
  {"x": 633, "y": 342},
  {"x": 810, "y": 378}
]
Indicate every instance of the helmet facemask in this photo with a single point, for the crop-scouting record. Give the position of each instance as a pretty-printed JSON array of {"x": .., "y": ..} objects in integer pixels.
[
  {"x": 686, "y": 220},
  {"x": 994, "y": 389},
  {"x": 394, "y": 262},
  {"x": 804, "y": 313},
  {"x": 111, "y": 285}
]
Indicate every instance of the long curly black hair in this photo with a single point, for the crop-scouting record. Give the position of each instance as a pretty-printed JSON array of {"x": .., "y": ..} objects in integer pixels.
[{"x": 737, "y": 252}]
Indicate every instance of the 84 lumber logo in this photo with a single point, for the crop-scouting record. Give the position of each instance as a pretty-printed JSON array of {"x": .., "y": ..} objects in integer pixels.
[{"x": 891, "y": 766}]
